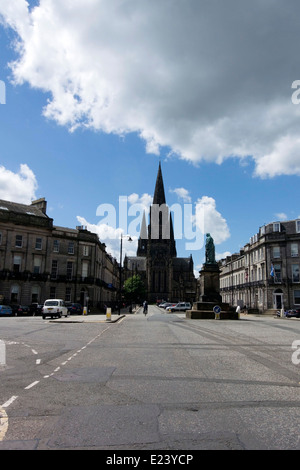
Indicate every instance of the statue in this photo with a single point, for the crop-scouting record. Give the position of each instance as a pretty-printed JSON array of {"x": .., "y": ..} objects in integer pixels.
[{"x": 209, "y": 250}]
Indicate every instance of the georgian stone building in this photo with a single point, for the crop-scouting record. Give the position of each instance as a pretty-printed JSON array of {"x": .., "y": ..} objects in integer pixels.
[
  {"x": 39, "y": 260},
  {"x": 166, "y": 277},
  {"x": 265, "y": 274}
]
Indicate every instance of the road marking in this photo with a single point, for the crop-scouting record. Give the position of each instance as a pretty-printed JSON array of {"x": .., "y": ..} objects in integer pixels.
[
  {"x": 31, "y": 385},
  {"x": 4, "y": 417},
  {"x": 9, "y": 402},
  {"x": 3, "y": 423}
]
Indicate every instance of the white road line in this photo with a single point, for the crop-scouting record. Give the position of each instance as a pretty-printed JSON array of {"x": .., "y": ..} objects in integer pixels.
[
  {"x": 31, "y": 385},
  {"x": 9, "y": 402}
]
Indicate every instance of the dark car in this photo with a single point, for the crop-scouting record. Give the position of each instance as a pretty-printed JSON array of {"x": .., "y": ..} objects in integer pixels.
[
  {"x": 23, "y": 310},
  {"x": 36, "y": 309},
  {"x": 76, "y": 309},
  {"x": 293, "y": 314}
]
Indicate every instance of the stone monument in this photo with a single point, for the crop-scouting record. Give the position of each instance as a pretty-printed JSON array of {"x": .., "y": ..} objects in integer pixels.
[{"x": 210, "y": 305}]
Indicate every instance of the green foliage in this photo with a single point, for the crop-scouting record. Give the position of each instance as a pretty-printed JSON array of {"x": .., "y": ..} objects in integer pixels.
[{"x": 134, "y": 288}]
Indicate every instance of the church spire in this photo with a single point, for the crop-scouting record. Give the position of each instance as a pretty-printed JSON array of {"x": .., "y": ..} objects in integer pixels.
[{"x": 159, "y": 192}]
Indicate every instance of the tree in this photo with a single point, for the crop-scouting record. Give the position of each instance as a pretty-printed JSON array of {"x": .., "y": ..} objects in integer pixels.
[{"x": 134, "y": 289}]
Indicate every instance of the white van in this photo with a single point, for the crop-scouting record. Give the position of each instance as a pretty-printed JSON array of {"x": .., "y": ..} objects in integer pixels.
[{"x": 54, "y": 308}]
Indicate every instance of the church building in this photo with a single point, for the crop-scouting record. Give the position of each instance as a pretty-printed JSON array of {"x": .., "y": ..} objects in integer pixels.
[{"x": 166, "y": 276}]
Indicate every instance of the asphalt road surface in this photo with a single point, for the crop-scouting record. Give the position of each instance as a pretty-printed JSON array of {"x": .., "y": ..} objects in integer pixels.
[{"x": 160, "y": 382}]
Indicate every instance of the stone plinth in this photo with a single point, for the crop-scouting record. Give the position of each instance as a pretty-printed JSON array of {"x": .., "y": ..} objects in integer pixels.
[
  {"x": 205, "y": 311},
  {"x": 210, "y": 297},
  {"x": 210, "y": 283}
]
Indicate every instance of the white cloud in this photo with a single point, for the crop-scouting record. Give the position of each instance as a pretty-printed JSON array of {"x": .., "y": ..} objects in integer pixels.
[
  {"x": 111, "y": 236},
  {"x": 182, "y": 193},
  {"x": 281, "y": 216},
  {"x": 18, "y": 187},
  {"x": 209, "y": 220},
  {"x": 211, "y": 80},
  {"x": 145, "y": 200}
]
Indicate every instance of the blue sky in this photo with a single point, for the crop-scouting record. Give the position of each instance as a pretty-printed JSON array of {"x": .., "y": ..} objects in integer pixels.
[{"x": 224, "y": 128}]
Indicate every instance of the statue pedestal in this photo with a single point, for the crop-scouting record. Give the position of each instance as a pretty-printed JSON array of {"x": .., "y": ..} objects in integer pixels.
[
  {"x": 210, "y": 283},
  {"x": 205, "y": 311},
  {"x": 210, "y": 297}
]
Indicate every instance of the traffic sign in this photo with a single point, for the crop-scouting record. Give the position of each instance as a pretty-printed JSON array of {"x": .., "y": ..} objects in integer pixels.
[{"x": 217, "y": 309}]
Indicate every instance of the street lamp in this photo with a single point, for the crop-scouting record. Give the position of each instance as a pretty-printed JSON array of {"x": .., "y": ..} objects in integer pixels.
[{"x": 120, "y": 275}]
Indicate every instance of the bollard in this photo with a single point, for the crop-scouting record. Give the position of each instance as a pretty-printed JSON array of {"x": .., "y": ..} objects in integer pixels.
[
  {"x": 84, "y": 310},
  {"x": 2, "y": 353},
  {"x": 217, "y": 311},
  {"x": 108, "y": 314}
]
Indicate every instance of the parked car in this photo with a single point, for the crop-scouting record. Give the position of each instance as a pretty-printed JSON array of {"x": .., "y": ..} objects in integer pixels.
[
  {"x": 23, "y": 310},
  {"x": 14, "y": 308},
  {"x": 36, "y": 309},
  {"x": 5, "y": 310},
  {"x": 54, "y": 308},
  {"x": 180, "y": 307},
  {"x": 76, "y": 309},
  {"x": 293, "y": 313},
  {"x": 165, "y": 305}
]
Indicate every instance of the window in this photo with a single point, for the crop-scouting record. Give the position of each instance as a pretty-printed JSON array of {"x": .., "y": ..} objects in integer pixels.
[
  {"x": 71, "y": 248},
  {"x": 85, "y": 268},
  {"x": 276, "y": 227},
  {"x": 56, "y": 246},
  {"x": 86, "y": 250},
  {"x": 69, "y": 269},
  {"x": 52, "y": 292},
  {"x": 276, "y": 252},
  {"x": 68, "y": 294},
  {"x": 294, "y": 249},
  {"x": 277, "y": 269},
  {"x": 295, "y": 273},
  {"x": 14, "y": 294},
  {"x": 38, "y": 243},
  {"x": 54, "y": 269},
  {"x": 17, "y": 264},
  {"x": 34, "y": 294},
  {"x": 297, "y": 226},
  {"x": 297, "y": 297},
  {"x": 37, "y": 262},
  {"x": 19, "y": 241}
]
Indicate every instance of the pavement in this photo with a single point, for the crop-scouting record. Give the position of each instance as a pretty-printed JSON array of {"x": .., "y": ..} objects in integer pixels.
[{"x": 94, "y": 317}]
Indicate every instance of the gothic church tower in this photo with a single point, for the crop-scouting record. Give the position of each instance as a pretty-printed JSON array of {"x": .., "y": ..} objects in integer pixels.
[{"x": 166, "y": 277}]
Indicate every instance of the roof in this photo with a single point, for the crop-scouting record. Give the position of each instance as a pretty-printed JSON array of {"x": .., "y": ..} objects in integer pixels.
[{"x": 24, "y": 209}]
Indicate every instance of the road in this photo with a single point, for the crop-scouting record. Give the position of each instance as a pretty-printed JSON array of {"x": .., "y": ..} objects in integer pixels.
[{"x": 160, "y": 382}]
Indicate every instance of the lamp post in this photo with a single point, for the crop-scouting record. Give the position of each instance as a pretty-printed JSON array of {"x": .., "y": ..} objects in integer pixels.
[{"x": 120, "y": 275}]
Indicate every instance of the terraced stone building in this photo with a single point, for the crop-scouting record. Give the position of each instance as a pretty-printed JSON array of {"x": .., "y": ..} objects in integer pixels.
[{"x": 39, "y": 260}]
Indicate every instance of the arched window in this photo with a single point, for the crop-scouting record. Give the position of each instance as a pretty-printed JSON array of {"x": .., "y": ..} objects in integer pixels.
[{"x": 14, "y": 294}]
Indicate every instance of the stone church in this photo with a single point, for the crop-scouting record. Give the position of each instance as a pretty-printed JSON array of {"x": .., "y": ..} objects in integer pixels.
[{"x": 166, "y": 276}]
